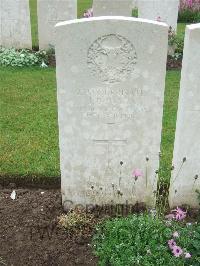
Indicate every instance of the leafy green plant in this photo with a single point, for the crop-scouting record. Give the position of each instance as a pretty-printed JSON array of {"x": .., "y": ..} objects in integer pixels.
[
  {"x": 194, "y": 244},
  {"x": 189, "y": 16},
  {"x": 177, "y": 43},
  {"x": 19, "y": 58},
  {"x": 143, "y": 240},
  {"x": 135, "y": 12}
]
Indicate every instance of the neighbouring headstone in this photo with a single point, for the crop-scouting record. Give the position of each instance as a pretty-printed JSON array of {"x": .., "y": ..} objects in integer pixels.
[
  {"x": 112, "y": 8},
  {"x": 134, "y": 4},
  {"x": 159, "y": 10},
  {"x": 15, "y": 27},
  {"x": 110, "y": 80},
  {"x": 50, "y": 12},
  {"x": 185, "y": 178}
]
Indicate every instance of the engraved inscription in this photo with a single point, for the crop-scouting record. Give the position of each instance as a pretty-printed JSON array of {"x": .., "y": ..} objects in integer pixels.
[
  {"x": 112, "y": 104},
  {"x": 112, "y": 58}
]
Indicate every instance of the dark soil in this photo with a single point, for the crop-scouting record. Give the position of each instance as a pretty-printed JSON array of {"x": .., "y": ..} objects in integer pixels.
[
  {"x": 30, "y": 234},
  {"x": 174, "y": 64}
]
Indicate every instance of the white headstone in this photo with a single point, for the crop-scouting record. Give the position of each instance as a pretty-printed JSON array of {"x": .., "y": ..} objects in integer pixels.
[
  {"x": 112, "y": 8},
  {"x": 159, "y": 10},
  {"x": 110, "y": 79},
  {"x": 186, "y": 174},
  {"x": 15, "y": 27},
  {"x": 134, "y": 4},
  {"x": 50, "y": 12}
]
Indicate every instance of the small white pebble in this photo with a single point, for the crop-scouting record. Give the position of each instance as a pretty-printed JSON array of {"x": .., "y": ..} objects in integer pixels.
[
  {"x": 188, "y": 224},
  {"x": 42, "y": 192},
  {"x": 13, "y": 195}
]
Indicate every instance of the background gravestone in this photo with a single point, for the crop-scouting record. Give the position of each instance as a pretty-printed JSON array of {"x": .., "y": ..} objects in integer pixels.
[
  {"x": 186, "y": 174},
  {"x": 15, "y": 27},
  {"x": 134, "y": 4},
  {"x": 51, "y": 12},
  {"x": 160, "y": 10},
  {"x": 112, "y": 8},
  {"x": 110, "y": 79}
]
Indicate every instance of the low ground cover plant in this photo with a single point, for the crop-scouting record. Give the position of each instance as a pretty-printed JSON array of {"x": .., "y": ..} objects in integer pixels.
[
  {"x": 177, "y": 43},
  {"x": 146, "y": 240},
  {"x": 20, "y": 58}
]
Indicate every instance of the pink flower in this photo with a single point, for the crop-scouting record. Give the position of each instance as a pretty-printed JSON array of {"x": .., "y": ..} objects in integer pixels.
[
  {"x": 175, "y": 234},
  {"x": 171, "y": 243},
  {"x": 177, "y": 251},
  {"x": 158, "y": 19},
  {"x": 188, "y": 255},
  {"x": 190, "y": 2},
  {"x": 179, "y": 214},
  {"x": 88, "y": 13},
  {"x": 137, "y": 173}
]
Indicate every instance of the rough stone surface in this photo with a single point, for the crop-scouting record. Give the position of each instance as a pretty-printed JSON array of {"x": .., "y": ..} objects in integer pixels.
[
  {"x": 50, "y": 12},
  {"x": 134, "y": 3},
  {"x": 186, "y": 175},
  {"x": 112, "y": 7},
  {"x": 110, "y": 79},
  {"x": 160, "y": 10},
  {"x": 15, "y": 27}
]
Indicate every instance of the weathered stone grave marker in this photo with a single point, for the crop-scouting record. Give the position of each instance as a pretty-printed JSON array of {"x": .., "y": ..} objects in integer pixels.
[
  {"x": 112, "y": 8},
  {"x": 110, "y": 79},
  {"x": 186, "y": 174},
  {"x": 160, "y": 10},
  {"x": 134, "y": 4},
  {"x": 15, "y": 27},
  {"x": 50, "y": 12}
]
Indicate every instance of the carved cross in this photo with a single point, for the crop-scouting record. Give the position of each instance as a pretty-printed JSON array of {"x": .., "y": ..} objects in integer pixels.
[{"x": 109, "y": 143}]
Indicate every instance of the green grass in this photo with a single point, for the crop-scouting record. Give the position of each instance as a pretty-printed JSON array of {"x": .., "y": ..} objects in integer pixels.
[
  {"x": 169, "y": 123},
  {"x": 82, "y": 6},
  {"x": 34, "y": 25},
  {"x": 181, "y": 29},
  {"x": 28, "y": 121}
]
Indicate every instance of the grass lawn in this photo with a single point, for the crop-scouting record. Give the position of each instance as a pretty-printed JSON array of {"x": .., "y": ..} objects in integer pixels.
[
  {"x": 169, "y": 123},
  {"x": 82, "y": 6},
  {"x": 34, "y": 25},
  {"x": 181, "y": 29},
  {"x": 28, "y": 121}
]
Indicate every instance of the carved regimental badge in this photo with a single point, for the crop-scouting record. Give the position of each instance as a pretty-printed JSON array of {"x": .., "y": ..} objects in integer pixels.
[{"x": 112, "y": 58}]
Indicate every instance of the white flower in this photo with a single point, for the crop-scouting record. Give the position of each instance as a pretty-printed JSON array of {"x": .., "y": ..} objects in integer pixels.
[
  {"x": 153, "y": 212},
  {"x": 188, "y": 224},
  {"x": 148, "y": 251},
  {"x": 43, "y": 65},
  {"x": 13, "y": 195},
  {"x": 176, "y": 234}
]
